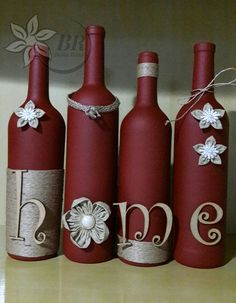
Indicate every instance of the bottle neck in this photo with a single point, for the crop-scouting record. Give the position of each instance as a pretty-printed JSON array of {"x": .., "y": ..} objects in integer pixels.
[
  {"x": 203, "y": 71},
  {"x": 94, "y": 59},
  {"x": 147, "y": 91},
  {"x": 147, "y": 84},
  {"x": 38, "y": 79}
]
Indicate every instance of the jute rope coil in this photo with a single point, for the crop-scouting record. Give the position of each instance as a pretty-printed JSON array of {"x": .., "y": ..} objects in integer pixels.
[
  {"x": 144, "y": 252},
  {"x": 34, "y": 200},
  {"x": 147, "y": 70}
]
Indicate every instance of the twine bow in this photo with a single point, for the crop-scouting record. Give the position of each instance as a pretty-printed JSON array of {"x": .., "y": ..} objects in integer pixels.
[
  {"x": 92, "y": 113},
  {"x": 199, "y": 92}
]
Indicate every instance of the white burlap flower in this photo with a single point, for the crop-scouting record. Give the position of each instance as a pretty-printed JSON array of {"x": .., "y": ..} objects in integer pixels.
[
  {"x": 209, "y": 151},
  {"x": 29, "y": 115},
  {"x": 85, "y": 221},
  {"x": 209, "y": 116}
]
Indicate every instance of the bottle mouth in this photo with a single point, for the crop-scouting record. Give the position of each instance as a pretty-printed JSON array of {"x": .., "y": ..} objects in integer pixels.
[
  {"x": 148, "y": 57},
  {"x": 147, "y": 64},
  {"x": 39, "y": 51},
  {"x": 95, "y": 30},
  {"x": 204, "y": 47}
]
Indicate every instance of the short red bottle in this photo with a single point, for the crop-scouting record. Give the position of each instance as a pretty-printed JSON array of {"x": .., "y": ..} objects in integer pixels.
[
  {"x": 91, "y": 161},
  {"x": 200, "y": 171},
  {"x": 144, "y": 174},
  {"x": 36, "y": 135}
]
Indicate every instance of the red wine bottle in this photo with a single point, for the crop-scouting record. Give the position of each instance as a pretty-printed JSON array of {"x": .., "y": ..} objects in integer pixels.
[
  {"x": 144, "y": 218},
  {"x": 91, "y": 163},
  {"x": 36, "y": 135},
  {"x": 200, "y": 171}
]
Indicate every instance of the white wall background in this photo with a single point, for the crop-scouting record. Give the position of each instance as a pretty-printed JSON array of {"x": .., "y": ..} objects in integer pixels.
[{"x": 167, "y": 27}]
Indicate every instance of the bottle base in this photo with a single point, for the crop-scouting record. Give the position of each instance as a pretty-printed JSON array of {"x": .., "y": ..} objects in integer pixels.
[
  {"x": 84, "y": 261},
  {"x": 30, "y": 259},
  {"x": 143, "y": 264},
  {"x": 199, "y": 265}
]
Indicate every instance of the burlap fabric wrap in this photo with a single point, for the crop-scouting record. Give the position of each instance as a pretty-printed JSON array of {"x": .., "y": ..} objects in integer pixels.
[
  {"x": 144, "y": 252},
  {"x": 33, "y": 212}
]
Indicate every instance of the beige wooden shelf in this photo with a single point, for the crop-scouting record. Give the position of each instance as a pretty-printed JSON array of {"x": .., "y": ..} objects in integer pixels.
[{"x": 60, "y": 280}]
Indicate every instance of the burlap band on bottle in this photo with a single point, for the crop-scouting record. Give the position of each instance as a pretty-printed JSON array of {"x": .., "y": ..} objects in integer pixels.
[
  {"x": 33, "y": 212},
  {"x": 144, "y": 252},
  {"x": 147, "y": 69}
]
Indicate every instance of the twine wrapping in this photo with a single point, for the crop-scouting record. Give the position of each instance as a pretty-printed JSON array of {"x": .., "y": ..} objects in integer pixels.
[
  {"x": 199, "y": 92},
  {"x": 147, "y": 70},
  {"x": 33, "y": 212},
  {"x": 144, "y": 252},
  {"x": 92, "y": 111}
]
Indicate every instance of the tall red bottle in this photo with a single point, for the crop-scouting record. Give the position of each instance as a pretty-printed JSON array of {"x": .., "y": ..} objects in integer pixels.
[
  {"x": 36, "y": 135},
  {"x": 200, "y": 171},
  {"x": 91, "y": 162},
  {"x": 144, "y": 218}
]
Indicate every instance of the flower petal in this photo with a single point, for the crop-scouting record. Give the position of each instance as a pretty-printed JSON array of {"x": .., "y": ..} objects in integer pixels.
[
  {"x": 19, "y": 112},
  {"x": 203, "y": 160},
  {"x": 220, "y": 112},
  {"x": 207, "y": 107},
  {"x": 101, "y": 210},
  {"x": 74, "y": 223},
  {"x": 204, "y": 124},
  {"x": 198, "y": 148},
  {"x": 77, "y": 211},
  {"x": 27, "y": 56},
  {"x": 79, "y": 202},
  {"x": 221, "y": 148},
  {"x": 18, "y": 31},
  {"x": 39, "y": 112},
  {"x": 197, "y": 114},
  {"x": 32, "y": 25},
  {"x": 216, "y": 160},
  {"x": 45, "y": 34},
  {"x": 210, "y": 141},
  {"x": 83, "y": 205},
  {"x": 65, "y": 217},
  {"x": 82, "y": 239},
  {"x": 34, "y": 123},
  {"x": 217, "y": 124},
  {"x": 30, "y": 105},
  {"x": 21, "y": 122},
  {"x": 99, "y": 235},
  {"x": 16, "y": 46},
  {"x": 87, "y": 207}
]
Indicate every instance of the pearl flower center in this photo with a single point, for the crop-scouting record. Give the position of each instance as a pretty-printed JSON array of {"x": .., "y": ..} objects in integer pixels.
[{"x": 88, "y": 221}]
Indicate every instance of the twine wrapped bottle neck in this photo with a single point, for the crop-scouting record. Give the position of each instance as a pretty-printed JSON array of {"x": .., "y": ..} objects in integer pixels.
[{"x": 147, "y": 73}]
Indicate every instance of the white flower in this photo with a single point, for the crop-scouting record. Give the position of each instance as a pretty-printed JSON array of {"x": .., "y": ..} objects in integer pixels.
[
  {"x": 85, "y": 221},
  {"x": 29, "y": 114},
  {"x": 209, "y": 151},
  {"x": 209, "y": 116},
  {"x": 29, "y": 38}
]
